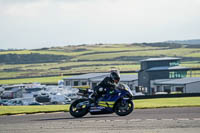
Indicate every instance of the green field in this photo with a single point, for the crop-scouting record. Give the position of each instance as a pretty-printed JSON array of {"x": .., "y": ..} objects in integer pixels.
[
  {"x": 43, "y": 80},
  {"x": 89, "y": 58},
  {"x": 168, "y": 52},
  {"x": 39, "y": 69},
  {"x": 8, "y": 110},
  {"x": 168, "y": 102},
  {"x": 139, "y": 104}
]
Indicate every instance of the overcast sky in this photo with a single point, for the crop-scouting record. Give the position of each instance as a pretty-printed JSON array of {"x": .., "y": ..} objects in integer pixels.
[{"x": 46, "y": 23}]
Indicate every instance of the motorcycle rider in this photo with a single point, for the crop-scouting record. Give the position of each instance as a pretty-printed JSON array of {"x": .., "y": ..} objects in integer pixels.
[{"x": 107, "y": 84}]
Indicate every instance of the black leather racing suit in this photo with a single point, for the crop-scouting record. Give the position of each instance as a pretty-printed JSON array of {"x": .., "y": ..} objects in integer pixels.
[{"x": 106, "y": 84}]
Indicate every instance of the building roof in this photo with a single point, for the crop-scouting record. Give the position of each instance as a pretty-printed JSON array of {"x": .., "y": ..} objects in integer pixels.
[
  {"x": 86, "y": 76},
  {"x": 128, "y": 77},
  {"x": 181, "y": 81},
  {"x": 160, "y": 59},
  {"x": 123, "y": 78},
  {"x": 165, "y": 68}
]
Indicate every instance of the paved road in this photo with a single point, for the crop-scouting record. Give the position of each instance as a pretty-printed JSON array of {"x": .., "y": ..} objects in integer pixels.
[{"x": 166, "y": 120}]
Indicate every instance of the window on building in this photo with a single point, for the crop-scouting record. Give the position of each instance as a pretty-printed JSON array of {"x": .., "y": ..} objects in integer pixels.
[
  {"x": 177, "y": 74},
  {"x": 174, "y": 63},
  {"x": 159, "y": 89},
  {"x": 84, "y": 83},
  {"x": 179, "y": 89},
  {"x": 167, "y": 89},
  {"x": 137, "y": 89},
  {"x": 67, "y": 83},
  {"x": 75, "y": 83}
]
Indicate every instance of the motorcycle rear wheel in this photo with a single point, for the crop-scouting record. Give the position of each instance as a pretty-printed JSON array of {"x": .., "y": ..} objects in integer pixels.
[
  {"x": 78, "y": 111},
  {"x": 122, "y": 109}
]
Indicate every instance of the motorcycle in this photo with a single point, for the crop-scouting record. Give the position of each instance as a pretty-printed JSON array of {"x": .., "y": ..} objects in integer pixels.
[{"x": 119, "y": 102}]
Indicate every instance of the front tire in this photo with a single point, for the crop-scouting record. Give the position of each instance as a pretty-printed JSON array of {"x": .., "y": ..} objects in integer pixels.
[
  {"x": 78, "y": 110},
  {"x": 123, "y": 109}
]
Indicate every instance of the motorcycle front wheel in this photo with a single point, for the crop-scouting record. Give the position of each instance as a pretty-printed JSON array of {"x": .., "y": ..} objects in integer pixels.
[
  {"x": 124, "y": 108},
  {"x": 79, "y": 108}
]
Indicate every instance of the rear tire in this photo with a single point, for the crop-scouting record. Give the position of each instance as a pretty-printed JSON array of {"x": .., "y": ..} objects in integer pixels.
[
  {"x": 78, "y": 111},
  {"x": 122, "y": 109}
]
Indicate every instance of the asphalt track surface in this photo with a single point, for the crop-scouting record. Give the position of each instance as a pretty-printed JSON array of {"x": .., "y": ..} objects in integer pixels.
[{"x": 164, "y": 120}]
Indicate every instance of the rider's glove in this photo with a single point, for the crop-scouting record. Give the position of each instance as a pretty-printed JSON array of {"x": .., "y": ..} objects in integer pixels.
[
  {"x": 100, "y": 89},
  {"x": 112, "y": 92}
]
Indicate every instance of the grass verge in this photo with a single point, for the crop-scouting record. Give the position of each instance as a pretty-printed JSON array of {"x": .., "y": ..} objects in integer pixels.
[
  {"x": 139, "y": 104},
  {"x": 10, "y": 110},
  {"x": 167, "y": 102},
  {"x": 43, "y": 80}
]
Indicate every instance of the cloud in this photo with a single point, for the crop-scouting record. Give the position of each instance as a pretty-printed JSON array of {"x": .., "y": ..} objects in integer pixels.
[{"x": 92, "y": 21}]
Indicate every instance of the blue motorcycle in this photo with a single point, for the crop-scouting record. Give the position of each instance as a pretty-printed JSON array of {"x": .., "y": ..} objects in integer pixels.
[{"x": 120, "y": 101}]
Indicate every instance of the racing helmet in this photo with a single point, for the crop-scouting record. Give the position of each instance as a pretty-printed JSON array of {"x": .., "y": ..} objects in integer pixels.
[{"x": 115, "y": 76}]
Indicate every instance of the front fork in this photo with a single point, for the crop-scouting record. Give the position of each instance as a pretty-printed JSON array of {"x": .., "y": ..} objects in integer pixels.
[{"x": 124, "y": 102}]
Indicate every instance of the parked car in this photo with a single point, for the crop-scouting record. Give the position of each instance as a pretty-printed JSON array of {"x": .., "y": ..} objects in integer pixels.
[
  {"x": 67, "y": 101},
  {"x": 72, "y": 96},
  {"x": 35, "y": 103},
  {"x": 14, "y": 102},
  {"x": 3, "y": 101},
  {"x": 60, "y": 99},
  {"x": 43, "y": 97},
  {"x": 19, "y": 101}
]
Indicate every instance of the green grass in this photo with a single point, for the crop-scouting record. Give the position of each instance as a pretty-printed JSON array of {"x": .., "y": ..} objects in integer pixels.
[
  {"x": 168, "y": 52},
  {"x": 113, "y": 51},
  {"x": 32, "y": 80},
  {"x": 45, "y": 80},
  {"x": 43, "y": 52},
  {"x": 39, "y": 69},
  {"x": 69, "y": 51},
  {"x": 168, "y": 102},
  {"x": 128, "y": 57},
  {"x": 139, "y": 104},
  {"x": 8, "y": 110},
  {"x": 118, "y": 47},
  {"x": 29, "y": 70},
  {"x": 195, "y": 65}
]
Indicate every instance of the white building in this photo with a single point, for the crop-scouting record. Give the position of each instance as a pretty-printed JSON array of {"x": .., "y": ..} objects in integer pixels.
[
  {"x": 130, "y": 80},
  {"x": 184, "y": 85},
  {"x": 92, "y": 79},
  {"x": 82, "y": 80}
]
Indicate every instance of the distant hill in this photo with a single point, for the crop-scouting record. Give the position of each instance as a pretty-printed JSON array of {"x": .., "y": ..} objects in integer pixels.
[
  {"x": 103, "y": 52},
  {"x": 192, "y": 42},
  {"x": 90, "y": 58}
]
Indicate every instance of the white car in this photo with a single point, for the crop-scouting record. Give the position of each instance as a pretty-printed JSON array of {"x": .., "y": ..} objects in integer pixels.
[
  {"x": 14, "y": 102},
  {"x": 20, "y": 101},
  {"x": 60, "y": 99}
]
